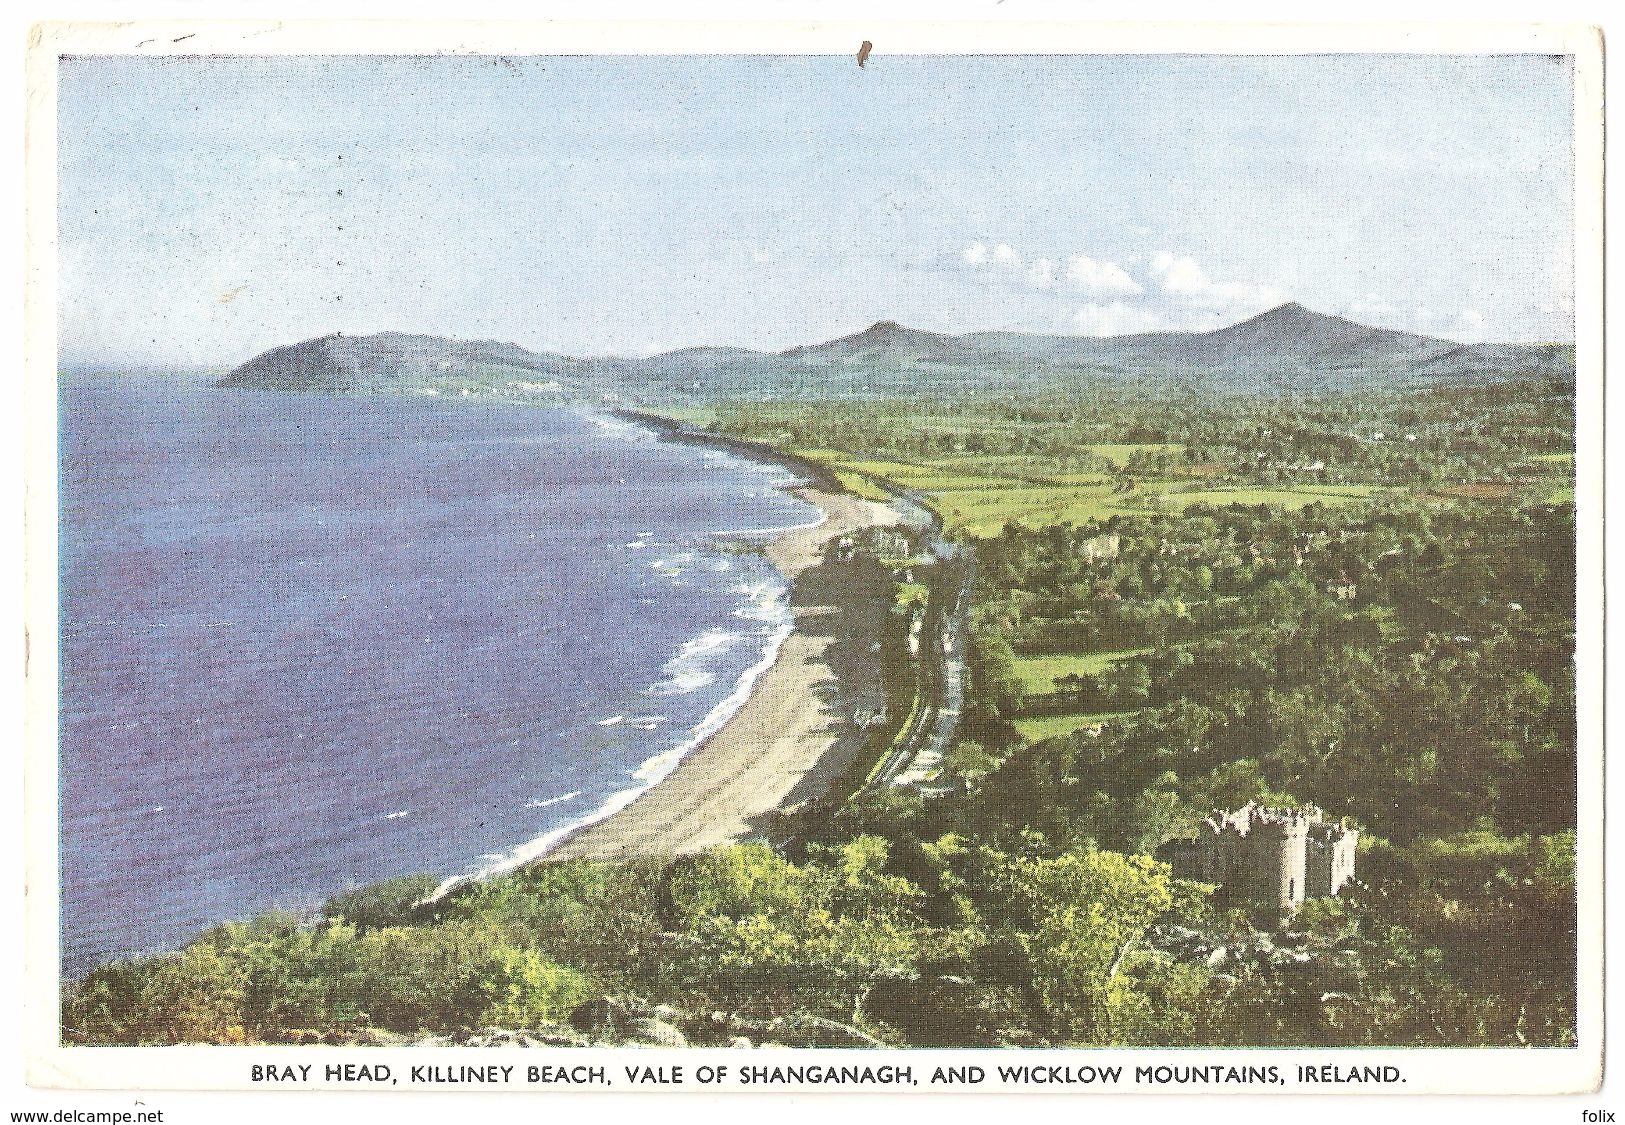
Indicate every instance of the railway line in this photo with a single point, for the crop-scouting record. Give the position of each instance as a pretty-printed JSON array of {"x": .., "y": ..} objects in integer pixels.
[{"x": 939, "y": 688}]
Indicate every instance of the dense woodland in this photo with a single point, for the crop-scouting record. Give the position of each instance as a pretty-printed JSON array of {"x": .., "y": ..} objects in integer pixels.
[{"x": 1402, "y": 657}]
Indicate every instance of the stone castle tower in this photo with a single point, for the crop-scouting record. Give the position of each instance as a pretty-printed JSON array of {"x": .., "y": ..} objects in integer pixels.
[{"x": 1274, "y": 855}]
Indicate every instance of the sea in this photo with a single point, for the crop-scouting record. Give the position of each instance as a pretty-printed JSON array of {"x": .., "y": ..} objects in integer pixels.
[{"x": 311, "y": 642}]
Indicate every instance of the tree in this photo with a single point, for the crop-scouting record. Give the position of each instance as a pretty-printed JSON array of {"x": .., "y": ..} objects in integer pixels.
[
  {"x": 733, "y": 882},
  {"x": 1158, "y": 813},
  {"x": 1078, "y": 916},
  {"x": 1128, "y": 684},
  {"x": 388, "y": 903},
  {"x": 194, "y": 996},
  {"x": 993, "y": 671}
]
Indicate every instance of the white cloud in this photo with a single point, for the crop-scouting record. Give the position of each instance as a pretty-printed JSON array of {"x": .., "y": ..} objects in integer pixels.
[
  {"x": 1100, "y": 278},
  {"x": 1165, "y": 290},
  {"x": 1081, "y": 273},
  {"x": 1153, "y": 291},
  {"x": 1183, "y": 280},
  {"x": 1178, "y": 274},
  {"x": 1116, "y": 319}
]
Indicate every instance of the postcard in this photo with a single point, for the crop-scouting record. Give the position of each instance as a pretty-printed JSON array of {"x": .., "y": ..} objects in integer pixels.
[{"x": 900, "y": 558}]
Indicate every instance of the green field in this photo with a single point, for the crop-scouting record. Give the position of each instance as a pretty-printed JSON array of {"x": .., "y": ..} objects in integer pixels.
[
  {"x": 977, "y": 495},
  {"x": 984, "y": 512},
  {"x": 1017, "y": 466},
  {"x": 1058, "y": 726},
  {"x": 860, "y": 485},
  {"x": 901, "y": 471},
  {"x": 926, "y": 478},
  {"x": 1038, "y": 673},
  {"x": 1079, "y": 478},
  {"x": 971, "y": 494}
]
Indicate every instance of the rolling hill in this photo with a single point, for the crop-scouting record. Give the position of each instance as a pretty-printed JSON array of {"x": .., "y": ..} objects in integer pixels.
[
  {"x": 1288, "y": 349},
  {"x": 395, "y": 362}
]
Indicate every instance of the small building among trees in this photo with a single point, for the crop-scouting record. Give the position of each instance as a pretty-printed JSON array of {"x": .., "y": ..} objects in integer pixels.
[{"x": 1274, "y": 855}]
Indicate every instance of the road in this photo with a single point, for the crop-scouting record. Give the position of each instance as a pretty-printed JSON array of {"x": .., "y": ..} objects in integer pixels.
[{"x": 940, "y": 672}]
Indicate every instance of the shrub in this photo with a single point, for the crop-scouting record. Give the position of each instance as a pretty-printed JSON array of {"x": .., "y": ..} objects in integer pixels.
[
  {"x": 194, "y": 996},
  {"x": 388, "y": 903}
]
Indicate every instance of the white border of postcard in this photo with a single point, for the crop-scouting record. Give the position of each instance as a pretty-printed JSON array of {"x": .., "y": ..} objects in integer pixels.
[{"x": 1479, "y": 1071}]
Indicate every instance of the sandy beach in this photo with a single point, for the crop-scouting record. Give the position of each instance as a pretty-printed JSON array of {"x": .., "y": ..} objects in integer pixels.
[{"x": 795, "y": 732}]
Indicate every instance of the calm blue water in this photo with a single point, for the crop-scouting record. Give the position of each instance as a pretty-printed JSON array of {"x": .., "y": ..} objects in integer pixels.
[{"x": 311, "y": 642}]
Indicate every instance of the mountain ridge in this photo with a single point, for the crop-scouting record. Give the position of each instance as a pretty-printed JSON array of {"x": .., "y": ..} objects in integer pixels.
[{"x": 1285, "y": 348}]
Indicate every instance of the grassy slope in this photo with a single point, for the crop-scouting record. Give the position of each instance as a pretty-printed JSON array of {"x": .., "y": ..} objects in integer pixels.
[{"x": 1038, "y": 673}]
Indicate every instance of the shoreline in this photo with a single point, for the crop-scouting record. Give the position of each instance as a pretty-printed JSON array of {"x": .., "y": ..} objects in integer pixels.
[
  {"x": 670, "y": 429},
  {"x": 790, "y": 735},
  {"x": 793, "y": 733}
]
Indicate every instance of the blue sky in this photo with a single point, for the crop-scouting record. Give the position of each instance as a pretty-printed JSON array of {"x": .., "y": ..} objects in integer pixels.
[{"x": 211, "y": 208}]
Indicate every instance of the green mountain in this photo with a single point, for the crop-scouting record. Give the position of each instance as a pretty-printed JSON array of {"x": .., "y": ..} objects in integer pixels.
[
  {"x": 1289, "y": 349},
  {"x": 398, "y": 363}
]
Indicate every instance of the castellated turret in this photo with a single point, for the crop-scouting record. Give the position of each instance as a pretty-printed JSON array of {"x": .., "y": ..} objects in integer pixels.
[{"x": 1279, "y": 856}]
